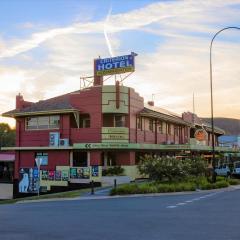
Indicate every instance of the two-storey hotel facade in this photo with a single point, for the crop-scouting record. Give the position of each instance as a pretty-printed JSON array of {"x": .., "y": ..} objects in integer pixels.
[
  {"x": 70, "y": 138},
  {"x": 78, "y": 134}
]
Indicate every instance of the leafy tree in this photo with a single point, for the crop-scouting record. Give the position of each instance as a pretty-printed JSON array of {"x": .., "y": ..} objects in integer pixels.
[
  {"x": 7, "y": 135},
  {"x": 198, "y": 166},
  {"x": 166, "y": 168}
]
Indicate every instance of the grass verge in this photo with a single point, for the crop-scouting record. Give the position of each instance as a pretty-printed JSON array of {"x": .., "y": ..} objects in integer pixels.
[{"x": 68, "y": 194}]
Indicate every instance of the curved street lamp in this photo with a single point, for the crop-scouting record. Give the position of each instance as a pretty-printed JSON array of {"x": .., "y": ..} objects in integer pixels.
[{"x": 211, "y": 87}]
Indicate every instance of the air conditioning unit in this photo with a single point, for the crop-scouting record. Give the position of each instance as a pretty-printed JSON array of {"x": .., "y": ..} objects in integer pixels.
[
  {"x": 53, "y": 139},
  {"x": 63, "y": 142}
]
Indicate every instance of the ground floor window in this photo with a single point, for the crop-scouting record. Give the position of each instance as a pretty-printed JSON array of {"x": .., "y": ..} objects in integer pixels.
[
  {"x": 108, "y": 159},
  {"x": 43, "y": 156},
  {"x": 6, "y": 171},
  {"x": 80, "y": 159}
]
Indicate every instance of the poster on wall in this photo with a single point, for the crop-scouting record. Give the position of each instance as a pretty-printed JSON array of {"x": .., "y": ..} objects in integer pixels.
[
  {"x": 44, "y": 175},
  {"x": 95, "y": 171},
  {"x": 58, "y": 175},
  {"x": 65, "y": 175},
  {"x": 51, "y": 175},
  {"x": 73, "y": 173},
  {"x": 28, "y": 180},
  {"x": 85, "y": 172},
  {"x": 80, "y": 173}
]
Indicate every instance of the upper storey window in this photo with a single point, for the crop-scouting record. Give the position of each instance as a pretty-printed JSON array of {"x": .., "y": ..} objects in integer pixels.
[
  {"x": 85, "y": 121},
  {"x": 140, "y": 123},
  {"x": 151, "y": 124},
  {"x": 43, "y": 122},
  {"x": 110, "y": 120},
  {"x": 119, "y": 121}
]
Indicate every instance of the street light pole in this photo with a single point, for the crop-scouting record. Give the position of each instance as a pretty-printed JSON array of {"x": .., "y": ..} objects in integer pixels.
[{"x": 211, "y": 88}]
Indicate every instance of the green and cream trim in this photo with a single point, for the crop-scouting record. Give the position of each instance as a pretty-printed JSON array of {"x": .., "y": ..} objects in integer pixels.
[{"x": 109, "y": 99}]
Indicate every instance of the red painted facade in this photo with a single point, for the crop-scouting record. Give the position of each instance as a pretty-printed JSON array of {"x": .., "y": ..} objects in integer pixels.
[{"x": 155, "y": 127}]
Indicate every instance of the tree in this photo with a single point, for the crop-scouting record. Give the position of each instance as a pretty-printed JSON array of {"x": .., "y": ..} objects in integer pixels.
[
  {"x": 166, "y": 168},
  {"x": 7, "y": 135}
]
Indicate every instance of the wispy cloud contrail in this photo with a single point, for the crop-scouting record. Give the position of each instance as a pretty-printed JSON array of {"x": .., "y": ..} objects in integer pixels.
[{"x": 105, "y": 32}]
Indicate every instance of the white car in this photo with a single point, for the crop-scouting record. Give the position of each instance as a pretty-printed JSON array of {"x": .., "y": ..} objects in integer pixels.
[
  {"x": 236, "y": 169},
  {"x": 223, "y": 170}
]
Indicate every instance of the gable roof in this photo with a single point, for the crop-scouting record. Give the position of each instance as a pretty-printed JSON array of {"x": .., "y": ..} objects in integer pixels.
[
  {"x": 156, "y": 112},
  {"x": 208, "y": 127},
  {"x": 53, "y": 105}
]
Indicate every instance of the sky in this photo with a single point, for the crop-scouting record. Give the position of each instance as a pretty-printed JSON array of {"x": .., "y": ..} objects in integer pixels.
[{"x": 46, "y": 46}]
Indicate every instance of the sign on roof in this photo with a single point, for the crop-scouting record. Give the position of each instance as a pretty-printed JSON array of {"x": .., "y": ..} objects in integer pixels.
[{"x": 115, "y": 65}]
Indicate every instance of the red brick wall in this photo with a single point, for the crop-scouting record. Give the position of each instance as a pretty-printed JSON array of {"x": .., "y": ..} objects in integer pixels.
[
  {"x": 88, "y": 101},
  {"x": 26, "y": 159},
  {"x": 136, "y": 104},
  {"x": 95, "y": 158},
  {"x": 125, "y": 158}
]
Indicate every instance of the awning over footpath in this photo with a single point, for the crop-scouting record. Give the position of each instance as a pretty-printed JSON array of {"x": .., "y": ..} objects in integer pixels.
[{"x": 6, "y": 157}]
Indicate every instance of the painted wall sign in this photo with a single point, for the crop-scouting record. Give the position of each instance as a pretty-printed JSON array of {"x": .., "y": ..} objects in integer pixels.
[
  {"x": 200, "y": 135},
  {"x": 65, "y": 175},
  {"x": 51, "y": 175},
  {"x": 80, "y": 173},
  {"x": 115, "y": 65},
  {"x": 44, "y": 175},
  {"x": 95, "y": 171},
  {"x": 28, "y": 181},
  {"x": 58, "y": 175}
]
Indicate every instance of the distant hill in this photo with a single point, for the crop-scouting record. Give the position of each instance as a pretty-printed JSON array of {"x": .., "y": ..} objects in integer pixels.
[{"x": 230, "y": 125}]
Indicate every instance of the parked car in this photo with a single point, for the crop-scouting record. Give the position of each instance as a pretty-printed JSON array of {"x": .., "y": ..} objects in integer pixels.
[
  {"x": 236, "y": 169},
  {"x": 223, "y": 170}
]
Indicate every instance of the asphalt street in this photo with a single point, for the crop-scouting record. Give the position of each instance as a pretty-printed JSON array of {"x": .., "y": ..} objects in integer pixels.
[{"x": 198, "y": 216}]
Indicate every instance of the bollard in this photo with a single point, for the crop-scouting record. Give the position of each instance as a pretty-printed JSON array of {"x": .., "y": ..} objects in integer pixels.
[
  {"x": 115, "y": 183},
  {"x": 92, "y": 187}
]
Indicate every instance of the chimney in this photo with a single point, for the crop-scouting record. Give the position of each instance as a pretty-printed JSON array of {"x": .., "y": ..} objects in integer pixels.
[
  {"x": 19, "y": 101},
  {"x": 151, "y": 103}
]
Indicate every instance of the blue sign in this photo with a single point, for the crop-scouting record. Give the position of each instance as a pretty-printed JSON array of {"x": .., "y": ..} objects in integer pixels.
[
  {"x": 35, "y": 173},
  {"x": 115, "y": 65},
  {"x": 95, "y": 171}
]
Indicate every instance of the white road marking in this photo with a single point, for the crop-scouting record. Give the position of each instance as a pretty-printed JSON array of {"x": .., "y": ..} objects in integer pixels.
[
  {"x": 181, "y": 203},
  {"x": 171, "y": 206},
  {"x": 196, "y": 199},
  {"x": 192, "y": 200}
]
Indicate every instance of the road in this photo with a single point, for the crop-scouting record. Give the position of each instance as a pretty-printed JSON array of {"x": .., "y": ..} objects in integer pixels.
[{"x": 208, "y": 215}]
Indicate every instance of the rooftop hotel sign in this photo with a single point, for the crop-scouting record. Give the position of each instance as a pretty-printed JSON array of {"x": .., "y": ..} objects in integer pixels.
[{"x": 115, "y": 65}]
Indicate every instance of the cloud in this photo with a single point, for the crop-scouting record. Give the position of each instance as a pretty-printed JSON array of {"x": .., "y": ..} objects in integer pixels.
[
  {"x": 26, "y": 25},
  {"x": 174, "y": 72},
  {"x": 175, "y": 68},
  {"x": 135, "y": 19}
]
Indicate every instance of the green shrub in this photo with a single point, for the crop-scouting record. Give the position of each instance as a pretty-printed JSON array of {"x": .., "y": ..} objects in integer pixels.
[
  {"x": 164, "y": 188},
  {"x": 156, "y": 187},
  {"x": 233, "y": 181},
  {"x": 125, "y": 189},
  {"x": 206, "y": 186},
  {"x": 218, "y": 184},
  {"x": 186, "y": 186},
  {"x": 221, "y": 184},
  {"x": 170, "y": 168},
  {"x": 152, "y": 188},
  {"x": 220, "y": 178},
  {"x": 113, "y": 171}
]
